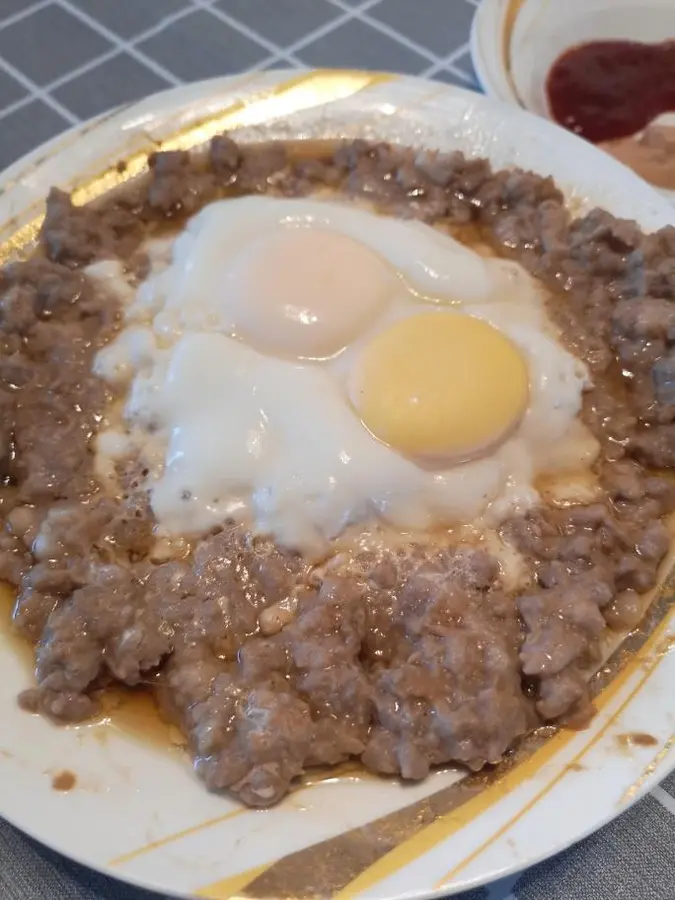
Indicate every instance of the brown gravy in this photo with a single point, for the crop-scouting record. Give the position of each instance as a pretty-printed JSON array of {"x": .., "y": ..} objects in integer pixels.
[
  {"x": 133, "y": 713},
  {"x": 126, "y": 711}
]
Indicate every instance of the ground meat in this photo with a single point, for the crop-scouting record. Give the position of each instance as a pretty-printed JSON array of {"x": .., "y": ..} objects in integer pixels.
[
  {"x": 584, "y": 559},
  {"x": 655, "y": 446},
  {"x": 524, "y": 212},
  {"x": 568, "y": 690},
  {"x": 636, "y": 496},
  {"x": 56, "y": 403},
  {"x": 225, "y": 157},
  {"x": 31, "y": 612},
  {"x": 640, "y": 318},
  {"x": 104, "y": 528},
  {"x": 13, "y": 558},
  {"x": 453, "y": 668},
  {"x": 625, "y": 611},
  {"x": 406, "y": 657},
  {"x": 663, "y": 377},
  {"x": 262, "y": 168},
  {"x": 657, "y": 264},
  {"x": 315, "y": 697},
  {"x": 259, "y": 757},
  {"x": 175, "y": 188},
  {"x": 604, "y": 245},
  {"x": 78, "y": 235}
]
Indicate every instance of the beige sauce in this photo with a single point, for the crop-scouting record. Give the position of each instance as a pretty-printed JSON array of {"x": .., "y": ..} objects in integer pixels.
[
  {"x": 651, "y": 154},
  {"x": 133, "y": 713}
]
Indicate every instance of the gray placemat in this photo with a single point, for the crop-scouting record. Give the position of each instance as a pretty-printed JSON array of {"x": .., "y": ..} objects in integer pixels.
[{"x": 63, "y": 61}]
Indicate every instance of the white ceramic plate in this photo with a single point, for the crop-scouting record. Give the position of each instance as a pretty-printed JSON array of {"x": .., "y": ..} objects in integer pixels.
[{"x": 136, "y": 811}]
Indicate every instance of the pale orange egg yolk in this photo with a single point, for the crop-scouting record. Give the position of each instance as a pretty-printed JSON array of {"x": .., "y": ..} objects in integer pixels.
[
  {"x": 441, "y": 387},
  {"x": 306, "y": 292}
]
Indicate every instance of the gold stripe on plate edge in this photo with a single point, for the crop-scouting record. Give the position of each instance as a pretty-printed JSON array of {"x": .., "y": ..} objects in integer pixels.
[
  {"x": 302, "y": 92},
  {"x": 354, "y": 861},
  {"x": 648, "y": 772},
  {"x": 300, "y": 787},
  {"x": 230, "y": 887},
  {"x": 176, "y": 836}
]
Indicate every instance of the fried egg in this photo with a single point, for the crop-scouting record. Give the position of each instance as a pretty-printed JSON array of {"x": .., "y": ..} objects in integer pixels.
[{"x": 305, "y": 366}]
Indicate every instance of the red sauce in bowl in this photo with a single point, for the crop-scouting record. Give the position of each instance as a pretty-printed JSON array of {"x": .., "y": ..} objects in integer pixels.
[{"x": 606, "y": 90}]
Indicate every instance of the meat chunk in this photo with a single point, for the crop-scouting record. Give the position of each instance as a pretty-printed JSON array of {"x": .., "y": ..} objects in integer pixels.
[
  {"x": 644, "y": 317},
  {"x": 584, "y": 558},
  {"x": 175, "y": 188},
  {"x": 225, "y": 157},
  {"x": 456, "y": 664},
  {"x": 267, "y": 749},
  {"x": 262, "y": 167},
  {"x": 78, "y": 235},
  {"x": 655, "y": 446}
]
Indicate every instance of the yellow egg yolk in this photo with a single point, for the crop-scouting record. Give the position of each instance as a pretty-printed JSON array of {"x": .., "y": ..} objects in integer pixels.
[{"x": 441, "y": 387}]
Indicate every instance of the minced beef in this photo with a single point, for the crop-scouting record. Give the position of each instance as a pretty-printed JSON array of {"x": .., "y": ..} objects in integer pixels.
[{"x": 406, "y": 658}]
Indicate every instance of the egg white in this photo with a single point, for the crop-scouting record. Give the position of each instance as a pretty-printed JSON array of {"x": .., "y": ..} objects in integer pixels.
[{"x": 274, "y": 442}]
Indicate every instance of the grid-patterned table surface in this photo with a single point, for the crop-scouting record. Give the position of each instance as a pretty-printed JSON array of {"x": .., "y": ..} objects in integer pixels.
[{"x": 63, "y": 61}]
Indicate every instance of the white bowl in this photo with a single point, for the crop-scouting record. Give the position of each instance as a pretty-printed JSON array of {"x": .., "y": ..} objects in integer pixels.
[{"x": 514, "y": 43}]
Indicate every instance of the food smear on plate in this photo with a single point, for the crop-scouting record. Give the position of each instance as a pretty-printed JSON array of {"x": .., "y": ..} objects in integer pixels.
[
  {"x": 605, "y": 90},
  {"x": 386, "y": 518}
]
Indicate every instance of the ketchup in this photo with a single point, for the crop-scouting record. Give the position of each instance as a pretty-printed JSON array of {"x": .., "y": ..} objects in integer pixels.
[{"x": 606, "y": 90}]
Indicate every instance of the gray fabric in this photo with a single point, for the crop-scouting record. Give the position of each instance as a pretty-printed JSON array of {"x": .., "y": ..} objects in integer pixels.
[{"x": 61, "y": 62}]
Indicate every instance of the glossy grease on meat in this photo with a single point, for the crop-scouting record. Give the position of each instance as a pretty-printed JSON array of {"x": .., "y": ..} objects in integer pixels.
[{"x": 405, "y": 658}]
